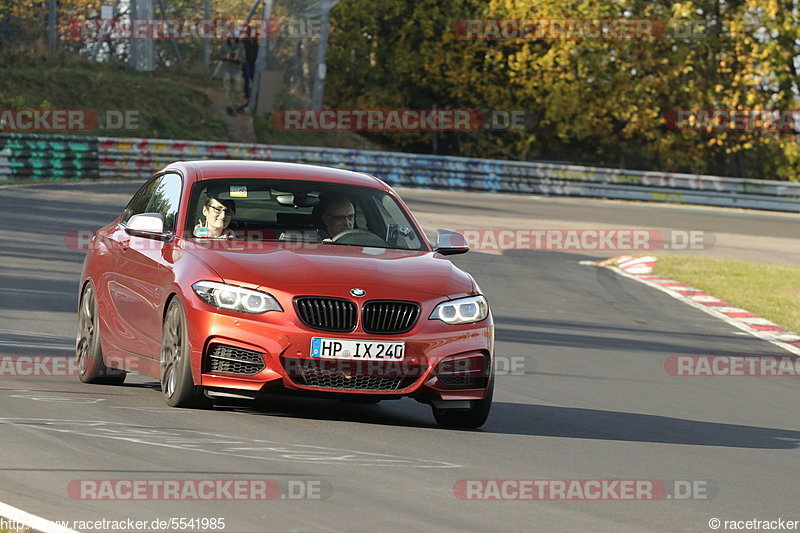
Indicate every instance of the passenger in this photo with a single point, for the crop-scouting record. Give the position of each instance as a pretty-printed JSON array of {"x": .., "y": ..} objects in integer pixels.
[
  {"x": 333, "y": 214},
  {"x": 217, "y": 215}
]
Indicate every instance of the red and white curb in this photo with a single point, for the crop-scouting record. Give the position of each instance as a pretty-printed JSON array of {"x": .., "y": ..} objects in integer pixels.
[{"x": 739, "y": 318}]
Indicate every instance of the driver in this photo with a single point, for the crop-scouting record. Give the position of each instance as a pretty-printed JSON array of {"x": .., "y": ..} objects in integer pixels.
[{"x": 335, "y": 214}]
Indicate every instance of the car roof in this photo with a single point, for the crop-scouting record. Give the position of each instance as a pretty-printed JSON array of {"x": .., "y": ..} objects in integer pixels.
[{"x": 222, "y": 169}]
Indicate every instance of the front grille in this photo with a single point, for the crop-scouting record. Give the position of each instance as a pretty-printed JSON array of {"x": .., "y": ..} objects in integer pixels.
[
  {"x": 326, "y": 314},
  {"x": 335, "y": 380},
  {"x": 385, "y": 317},
  {"x": 352, "y": 375},
  {"x": 233, "y": 360}
]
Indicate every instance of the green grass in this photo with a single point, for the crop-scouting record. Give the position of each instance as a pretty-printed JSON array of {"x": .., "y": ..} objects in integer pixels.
[
  {"x": 768, "y": 290},
  {"x": 168, "y": 105}
]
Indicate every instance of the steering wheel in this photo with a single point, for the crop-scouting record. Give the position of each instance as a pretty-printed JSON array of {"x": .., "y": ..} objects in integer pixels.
[{"x": 360, "y": 237}]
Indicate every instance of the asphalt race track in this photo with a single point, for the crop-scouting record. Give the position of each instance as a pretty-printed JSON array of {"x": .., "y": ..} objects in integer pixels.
[{"x": 581, "y": 394}]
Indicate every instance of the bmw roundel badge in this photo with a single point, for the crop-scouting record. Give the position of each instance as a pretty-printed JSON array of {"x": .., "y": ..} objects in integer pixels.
[{"x": 358, "y": 292}]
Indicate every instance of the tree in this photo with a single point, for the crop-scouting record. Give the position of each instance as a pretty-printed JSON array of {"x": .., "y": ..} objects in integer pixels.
[{"x": 596, "y": 100}]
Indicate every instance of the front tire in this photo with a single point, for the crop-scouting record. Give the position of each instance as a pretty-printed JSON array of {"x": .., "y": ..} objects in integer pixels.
[
  {"x": 471, "y": 418},
  {"x": 177, "y": 385},
  {"x": 91, "y": 368}
]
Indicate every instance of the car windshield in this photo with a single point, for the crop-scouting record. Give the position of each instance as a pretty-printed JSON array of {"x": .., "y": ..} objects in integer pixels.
[{"x": 299, "y": 211}]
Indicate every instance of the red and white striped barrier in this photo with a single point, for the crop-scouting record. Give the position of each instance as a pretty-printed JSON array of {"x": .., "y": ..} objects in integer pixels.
[{"x": 641, "y": 268}]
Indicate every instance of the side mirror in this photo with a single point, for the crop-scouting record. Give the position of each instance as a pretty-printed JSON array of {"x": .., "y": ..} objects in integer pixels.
[
  {"x": 395, "y": 231},
  {"x": 148, "y": 225},
  {"x": 450, "y": 242}
]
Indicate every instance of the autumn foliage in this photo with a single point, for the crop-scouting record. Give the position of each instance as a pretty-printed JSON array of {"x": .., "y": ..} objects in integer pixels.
[{"x": 601, "y": 101}]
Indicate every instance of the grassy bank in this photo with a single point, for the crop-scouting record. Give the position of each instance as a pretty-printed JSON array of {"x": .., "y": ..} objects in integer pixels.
[
  {"x": 167, "y": 105},
  {"x": 768, "y": 290}
]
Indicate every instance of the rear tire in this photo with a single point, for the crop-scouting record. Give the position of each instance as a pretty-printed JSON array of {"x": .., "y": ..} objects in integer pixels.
[
  {"x": 471, "y": 418},
  {"x": 177, "y": 385},
  {"x": 91, "y": 368}
]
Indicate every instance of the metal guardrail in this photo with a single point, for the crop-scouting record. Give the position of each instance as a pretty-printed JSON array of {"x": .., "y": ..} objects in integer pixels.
[
  {"x": 47, "y": 157},
  {"x": 28, "y": 156}
]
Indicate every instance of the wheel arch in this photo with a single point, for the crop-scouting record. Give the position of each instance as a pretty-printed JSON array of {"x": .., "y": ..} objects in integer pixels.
[
  {"x": 171, "y": 296},
  {"x": 175, "y": 294}
]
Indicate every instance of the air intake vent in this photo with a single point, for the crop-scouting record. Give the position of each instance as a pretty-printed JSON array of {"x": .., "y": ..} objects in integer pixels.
[
  {"x": 463, "y": 381},
  {"x": 233, "y": 360},
  {"x": 352, "y": 375}
]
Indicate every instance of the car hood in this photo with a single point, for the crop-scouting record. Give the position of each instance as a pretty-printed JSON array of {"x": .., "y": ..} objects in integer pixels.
[{"x": 301, "y": 268}]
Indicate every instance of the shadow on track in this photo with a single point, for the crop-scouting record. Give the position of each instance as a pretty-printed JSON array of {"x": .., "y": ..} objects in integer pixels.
[
  {"x": 646, "y": 340},
  {"x": 679, "y": 343},
  {"x": 412, "y": 414},
  {"x": 534, "y": 420},
  {"x": 573, "y": 423}
]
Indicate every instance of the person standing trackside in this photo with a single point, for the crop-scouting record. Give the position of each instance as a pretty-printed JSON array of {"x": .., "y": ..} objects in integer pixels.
[
  {"x": 248, "y": 68},
  {"x": 231, "y": 69}
]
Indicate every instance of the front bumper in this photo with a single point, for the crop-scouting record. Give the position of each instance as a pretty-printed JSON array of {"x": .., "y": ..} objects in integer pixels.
[{"x": 283, "y": 343}]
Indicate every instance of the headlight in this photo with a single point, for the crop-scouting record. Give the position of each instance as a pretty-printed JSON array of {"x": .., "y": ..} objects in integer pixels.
[
  {"x": 235, "y": 298},
  {"x": 461, "y": 311}
]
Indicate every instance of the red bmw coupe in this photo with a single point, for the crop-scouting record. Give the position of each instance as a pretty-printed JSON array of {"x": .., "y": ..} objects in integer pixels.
[{"x": 237, "y": 278}]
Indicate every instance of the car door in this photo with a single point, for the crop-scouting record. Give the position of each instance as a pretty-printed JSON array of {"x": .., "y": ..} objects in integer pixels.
[
  {"x": 116, "y": 240},
  {"x": 143, "y": 272}
]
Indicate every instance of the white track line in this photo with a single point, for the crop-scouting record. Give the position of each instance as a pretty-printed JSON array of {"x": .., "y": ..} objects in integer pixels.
[
  {"x": 12, "y": 514},
  {"x": 772, "y": 337}
]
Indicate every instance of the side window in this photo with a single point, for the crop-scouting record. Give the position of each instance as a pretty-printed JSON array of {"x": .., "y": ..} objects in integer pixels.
[
  {"x": 166, "y": 198},
  {"x": 138, "y": 203},
  {"x": 361, "y": 219},
  {"x": 392, "y": 214}
]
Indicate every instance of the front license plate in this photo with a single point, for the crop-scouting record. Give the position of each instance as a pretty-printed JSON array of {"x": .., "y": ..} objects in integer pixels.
[{"x": 357, "y": 349}]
